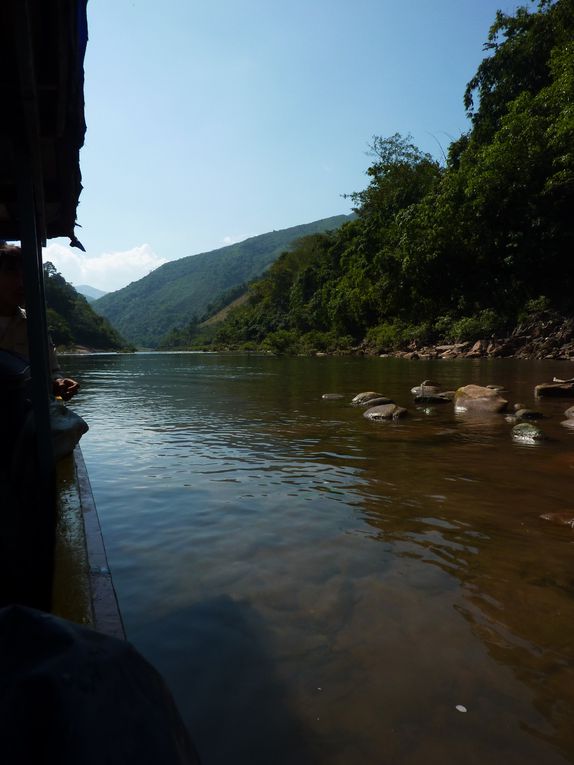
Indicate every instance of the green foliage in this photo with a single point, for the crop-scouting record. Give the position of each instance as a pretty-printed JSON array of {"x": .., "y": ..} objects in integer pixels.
[
  {"x": 282, "y": 342},
  {"x": 396, "y": 334},
  {"x": 453, "y": 252},
  {"x": 167, "y": 298},
  {"x": 537, "y": 305},
  {"x": 445, "y": 253},
  {"x": 482, "y": 325},
  {"x": 72, "y": 321},
  {"x": 181, "y": 337}
]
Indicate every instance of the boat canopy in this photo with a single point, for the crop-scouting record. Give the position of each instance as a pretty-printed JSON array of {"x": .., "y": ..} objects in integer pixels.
[
  {"x": 42, "y": 129},
  {"x": 42, "y": 125}
]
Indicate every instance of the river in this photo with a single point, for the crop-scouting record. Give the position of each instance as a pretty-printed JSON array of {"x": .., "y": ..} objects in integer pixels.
[{"x": 319, "y": 588}]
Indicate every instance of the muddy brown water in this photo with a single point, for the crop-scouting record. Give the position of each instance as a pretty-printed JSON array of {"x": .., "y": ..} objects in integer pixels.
[{"x": 318, "y": 588}]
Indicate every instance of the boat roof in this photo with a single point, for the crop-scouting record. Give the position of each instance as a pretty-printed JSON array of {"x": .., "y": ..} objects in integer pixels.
[{"x": 42, "y": 123}]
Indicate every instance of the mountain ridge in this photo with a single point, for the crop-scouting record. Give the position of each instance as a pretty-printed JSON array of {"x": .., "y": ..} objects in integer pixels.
[
  {"x": 89, "y": 292},
  {"x": 176, "y": 292}
]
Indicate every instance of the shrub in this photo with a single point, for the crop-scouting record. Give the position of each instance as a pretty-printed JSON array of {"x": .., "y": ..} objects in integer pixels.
[{"x": 282, "y": 342}]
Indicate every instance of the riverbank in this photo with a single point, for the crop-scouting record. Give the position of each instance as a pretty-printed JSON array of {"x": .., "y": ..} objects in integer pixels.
[{"x": 549, "y": 338}]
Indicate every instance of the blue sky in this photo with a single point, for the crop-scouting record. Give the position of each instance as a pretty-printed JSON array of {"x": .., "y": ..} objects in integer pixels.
[{"x": 210, "y": 122}]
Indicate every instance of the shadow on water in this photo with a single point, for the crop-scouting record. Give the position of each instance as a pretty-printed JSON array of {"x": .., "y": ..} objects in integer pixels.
[
  {"x": 376, "y": 575},
  {"x": 218, "y": 665}
]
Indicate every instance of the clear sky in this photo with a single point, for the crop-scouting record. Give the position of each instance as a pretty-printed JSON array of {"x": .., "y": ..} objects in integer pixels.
[{"x": 212, "y": 121}]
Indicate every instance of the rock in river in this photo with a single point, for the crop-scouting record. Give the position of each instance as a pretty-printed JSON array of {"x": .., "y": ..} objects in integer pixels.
[
  {"x": 385, "y": 412},
  {"x": 569, "y": 413},
  {"x": 561, "y": 519},
  {"x": 528, "y": 414},
  {"x": 427, "y": 387},
  {"x": 554, "y": 389},
  {"x": 332, "y": 396},
  {"x": 379, "y": 401},
  {"x": 366, "y": 397},
  {"x": 434, "y": 398},
  {"x": 476, "y": 398},
  {"x": 527, "y": 432}
]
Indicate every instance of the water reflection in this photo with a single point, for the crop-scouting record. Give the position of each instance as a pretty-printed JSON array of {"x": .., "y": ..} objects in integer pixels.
[{"x": 384, "y": 572}]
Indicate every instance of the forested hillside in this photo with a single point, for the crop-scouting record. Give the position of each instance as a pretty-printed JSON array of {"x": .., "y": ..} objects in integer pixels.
[
  {"x": 71, "y": 319},
  {"x": 460, "y": 249},
  {"x": 172, "y": 295}
]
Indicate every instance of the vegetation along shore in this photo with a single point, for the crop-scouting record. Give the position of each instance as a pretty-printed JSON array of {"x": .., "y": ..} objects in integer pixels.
[
  {"x": 468, "y": 256},
  {"x": 476, "y": 248}
]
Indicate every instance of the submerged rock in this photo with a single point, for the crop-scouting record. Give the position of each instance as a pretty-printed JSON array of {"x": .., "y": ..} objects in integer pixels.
[
  {"x": 560, "y": 519},
  {"x": 528, "y": 414},
  {"x": 364, "y": 398},
  {"x": 554, "y": 389},
  {"x": 435, "y": 398},
  {"x": 476, "y": 398},
  {"x": 332, "y": 396},
  {"x": 569, "y": 423},
  {"x": 385, "y": 412},
  {"x": 569, "y": 413},
  {"x": 527, "y": 432}
]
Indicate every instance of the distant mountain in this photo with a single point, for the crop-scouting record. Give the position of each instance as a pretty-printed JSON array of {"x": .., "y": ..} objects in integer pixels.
[
  {"x": 72, "y": 321},
  {"x": 172, "y": 295},
  {"x": 90, "y": 293}
]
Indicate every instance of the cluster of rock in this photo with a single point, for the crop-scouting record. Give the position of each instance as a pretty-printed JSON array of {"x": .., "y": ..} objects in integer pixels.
[
  {"x": 477, "y": 399},
  {"x": 549, "y": 338}
]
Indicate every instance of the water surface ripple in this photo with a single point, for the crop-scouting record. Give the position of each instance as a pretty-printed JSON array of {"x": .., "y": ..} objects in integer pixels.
[{"x": 318, "y": 588}]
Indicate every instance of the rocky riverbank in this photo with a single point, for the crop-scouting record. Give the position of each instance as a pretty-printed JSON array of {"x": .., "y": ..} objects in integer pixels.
[{"x": 544, "y": 338}]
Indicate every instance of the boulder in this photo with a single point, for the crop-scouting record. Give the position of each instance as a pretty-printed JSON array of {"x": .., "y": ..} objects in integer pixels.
[
  {"x": 554, "y": 389},
  {"x": 476, "y": 398},
  {"x": 332, "y": 396},
  {"x": 528, "y": 414},
  {"x": 476, "y": 351},
  {"x": 569, "y": 413},
  {"x": 560, "y": 519},
  {"x": 385, "y": 412},
  {"x": 364, "y": 398},
  {"x": 569, "y": 423},
  {"x": 427, "y": 387},
  {"x": 379, "y": 401},
  {"x": 453, "y": 346},
  {"x": 527, "y": 432}
]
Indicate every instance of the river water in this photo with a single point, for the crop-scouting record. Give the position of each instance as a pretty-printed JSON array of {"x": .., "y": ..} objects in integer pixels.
[{"x": 319, "y": 588}]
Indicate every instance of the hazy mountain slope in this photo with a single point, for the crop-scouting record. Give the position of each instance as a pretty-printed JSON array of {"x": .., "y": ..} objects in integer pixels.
[
  {"x": 170, "y": 296},
  {"x": 90, "y": 293}
]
